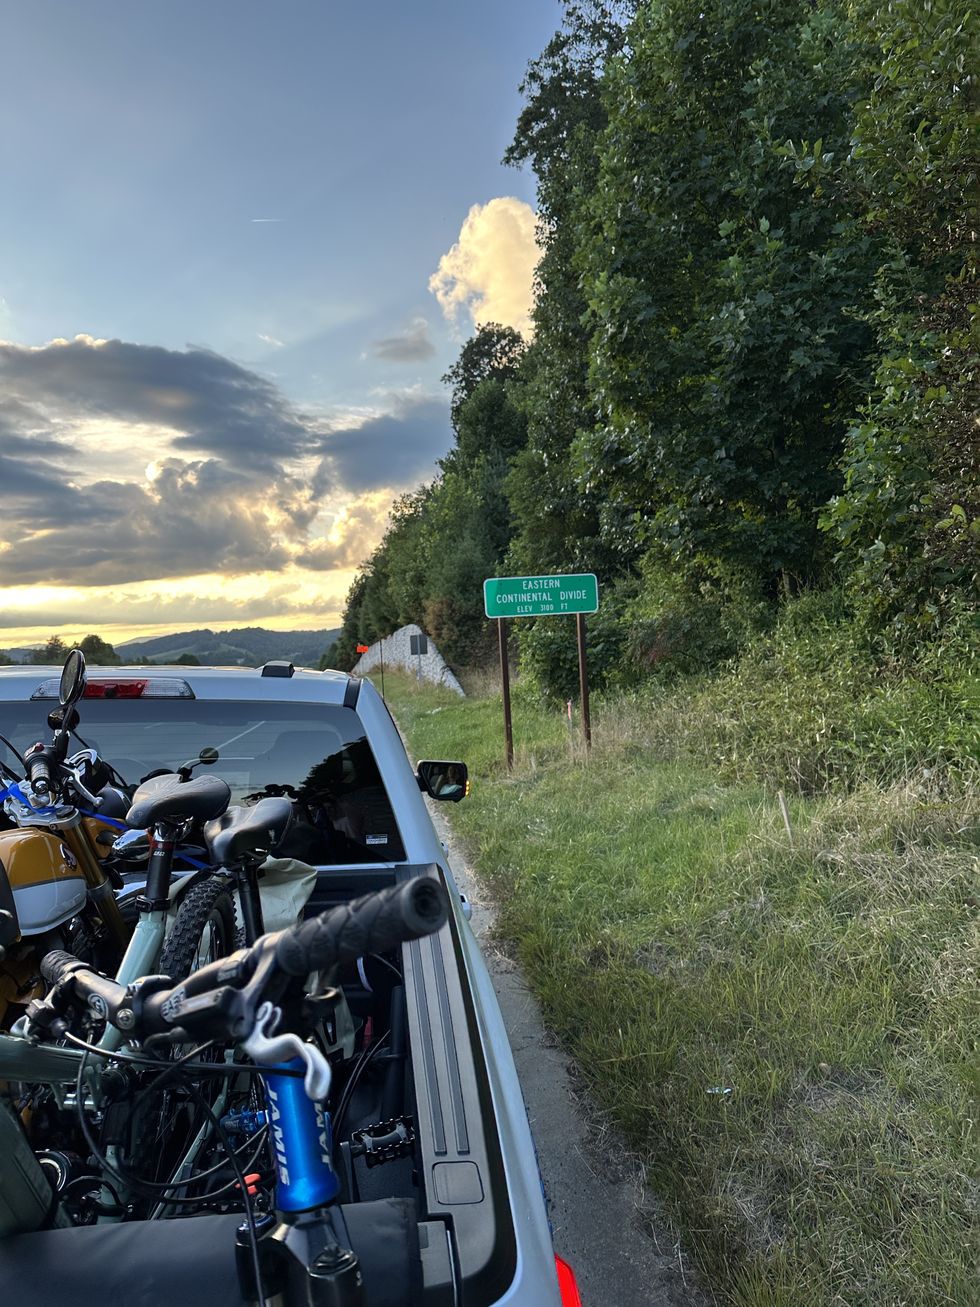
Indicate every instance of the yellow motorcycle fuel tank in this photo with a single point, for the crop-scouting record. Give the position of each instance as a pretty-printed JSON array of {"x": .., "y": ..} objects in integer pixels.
[{"x": 43, "y": 874}]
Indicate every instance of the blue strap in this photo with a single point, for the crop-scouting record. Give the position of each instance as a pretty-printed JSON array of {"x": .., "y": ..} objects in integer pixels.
[
  {"x": 13, "y": 791},
  {"x": 121, "y": 825},
  {"x": 109, "y": 821}
]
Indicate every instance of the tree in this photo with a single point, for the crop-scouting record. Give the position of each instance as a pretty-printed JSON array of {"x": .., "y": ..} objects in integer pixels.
[
  {"x": 494, "y": 351},
  {"x": 556, "y": 507},
  {"x": 725, "y": 300},
  {"x": 187, "y": 660},
  {"x": 53, "y": 652},
  {"x": 99, "y": 651},
  {"x": 907, "y": 521}
]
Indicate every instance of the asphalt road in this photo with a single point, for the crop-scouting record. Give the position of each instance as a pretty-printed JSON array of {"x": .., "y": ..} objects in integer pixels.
[{"x": 604, "y": 1224}]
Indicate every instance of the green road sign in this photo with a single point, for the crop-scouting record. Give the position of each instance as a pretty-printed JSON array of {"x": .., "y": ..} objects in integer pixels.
[{"x": 540, "y": 596}]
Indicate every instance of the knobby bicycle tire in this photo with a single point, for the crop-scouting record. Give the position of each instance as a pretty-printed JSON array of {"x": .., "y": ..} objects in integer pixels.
[
  {"x": 209, "y": 900},
  {"x": 207, "y": 903}
]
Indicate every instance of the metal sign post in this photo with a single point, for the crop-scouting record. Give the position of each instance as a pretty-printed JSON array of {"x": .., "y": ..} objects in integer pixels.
[
  {"x": 542, "y": 596},
  {"x": 505, "y": 687},
  {"x": 583, "y": 680},
  {"x": 418, "y": 645}
]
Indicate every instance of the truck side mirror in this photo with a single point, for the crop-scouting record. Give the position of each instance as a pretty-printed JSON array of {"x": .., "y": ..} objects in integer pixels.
[{"x": 446, "y": 781}]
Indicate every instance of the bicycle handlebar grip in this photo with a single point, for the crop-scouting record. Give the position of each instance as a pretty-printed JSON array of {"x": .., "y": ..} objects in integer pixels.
[{"x": 372, "y": 924}]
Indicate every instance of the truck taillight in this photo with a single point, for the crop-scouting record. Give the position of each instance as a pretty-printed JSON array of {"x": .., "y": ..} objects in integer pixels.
[
  {"x": 567, "y": 1287},
  {"x": 150, "y": 687},
  {"x": 124, "y": 687},
  {"x": 114, "y": 689}
]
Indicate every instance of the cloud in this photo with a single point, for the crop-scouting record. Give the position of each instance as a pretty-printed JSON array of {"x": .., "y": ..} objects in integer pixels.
[
  {"x": 212, "y": 405},
  {"x": 355, "y": 531},
  {"x": 111, "y": 532},
  {"x": 124, "y": 464},
  {"x": 393, "y": 449},
  {"x": 411, "y": 346},
  {"x": 271, "y": 340},
  {"x": 212, "y": 599},
  {"x": 489, "y": 272}
]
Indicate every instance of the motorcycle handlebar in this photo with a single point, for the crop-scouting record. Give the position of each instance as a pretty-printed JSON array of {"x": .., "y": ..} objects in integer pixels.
[{"x": 39, "y": 774}]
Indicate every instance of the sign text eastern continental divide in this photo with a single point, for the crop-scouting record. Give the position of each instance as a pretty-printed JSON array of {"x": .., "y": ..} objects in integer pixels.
[{"x": 540, "y": 596}]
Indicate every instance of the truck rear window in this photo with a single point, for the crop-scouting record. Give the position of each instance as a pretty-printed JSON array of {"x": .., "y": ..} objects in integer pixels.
[{"x": 317, "y": 754}]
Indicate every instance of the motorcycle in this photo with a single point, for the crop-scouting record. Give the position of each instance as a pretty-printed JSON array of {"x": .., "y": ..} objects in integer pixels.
[{"x": 57, "y": 872}]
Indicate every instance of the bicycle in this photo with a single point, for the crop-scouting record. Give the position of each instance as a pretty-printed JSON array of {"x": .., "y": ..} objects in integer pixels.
[
  {"x": 168, "y": 936},
  {"x": 301, "y": 1251}
]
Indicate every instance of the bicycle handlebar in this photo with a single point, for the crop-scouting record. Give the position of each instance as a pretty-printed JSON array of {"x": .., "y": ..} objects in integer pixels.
[
  {"x": 372, "y": 924},
  {"x": 220, "y": 1000}
]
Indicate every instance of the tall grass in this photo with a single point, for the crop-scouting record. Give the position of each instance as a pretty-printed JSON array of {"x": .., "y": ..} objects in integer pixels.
[
  {"x": 812, "y": 706},
  {"x": 781, "y": 1022}
]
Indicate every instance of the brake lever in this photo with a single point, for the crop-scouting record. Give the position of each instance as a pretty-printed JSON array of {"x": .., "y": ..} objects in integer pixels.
[
  {"x": 77, "y": 784},
  {"x": 267, "y": 1048}
]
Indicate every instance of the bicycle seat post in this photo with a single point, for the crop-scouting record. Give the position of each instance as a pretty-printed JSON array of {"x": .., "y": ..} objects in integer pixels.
[
  {"x": 246, "y": 873},
  {"x": 163, "y": 842}
]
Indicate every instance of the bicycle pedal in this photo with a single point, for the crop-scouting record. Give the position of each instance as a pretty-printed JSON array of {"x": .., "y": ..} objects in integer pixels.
[{"x": 385, "y": 1141}]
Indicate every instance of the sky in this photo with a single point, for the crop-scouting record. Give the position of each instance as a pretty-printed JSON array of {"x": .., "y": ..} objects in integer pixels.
[{"x": 240, "y": 243}]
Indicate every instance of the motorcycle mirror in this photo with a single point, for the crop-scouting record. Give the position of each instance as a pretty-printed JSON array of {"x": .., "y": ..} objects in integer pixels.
[
  {"x": 72, "y": 685},
  {"x": 206, "y": 758}
]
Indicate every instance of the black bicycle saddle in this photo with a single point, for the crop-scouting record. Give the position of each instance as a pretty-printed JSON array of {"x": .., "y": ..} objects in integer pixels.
[
  {"x": 169, "y": 798},
  {"x": 241, "y": 831}
]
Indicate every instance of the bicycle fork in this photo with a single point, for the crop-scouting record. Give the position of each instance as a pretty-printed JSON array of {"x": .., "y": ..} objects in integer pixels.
[{"x": 304, "y": 1252}]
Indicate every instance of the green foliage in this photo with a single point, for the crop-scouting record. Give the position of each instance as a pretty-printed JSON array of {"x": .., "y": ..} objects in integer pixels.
[
  {"x": 907, "y": 522},
  {"x": 559, "y": 514},
  {"x": 187, "y": 660},
  {"x": 813, "y": 705},
  {"x": 490, "y": 424},
  {"x": 53, "y": 652},
  {"x": 549, "y": 651},
  {"x": 680, "y": 625},
  {"x": 99, "y": 651},
  {"x": 726, "y": 355},
  {"x": 493, "y": 353}
]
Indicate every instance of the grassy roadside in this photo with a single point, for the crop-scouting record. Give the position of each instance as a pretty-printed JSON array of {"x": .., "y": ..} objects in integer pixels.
[{"x": 781, "y": 1025}]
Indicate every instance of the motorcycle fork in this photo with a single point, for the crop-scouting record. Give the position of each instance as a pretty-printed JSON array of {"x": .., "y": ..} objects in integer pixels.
[{"x": 99, "y": 889}]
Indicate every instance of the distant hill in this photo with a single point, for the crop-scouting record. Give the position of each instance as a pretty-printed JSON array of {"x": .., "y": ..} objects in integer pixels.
[{"x": 249, "y": 646}]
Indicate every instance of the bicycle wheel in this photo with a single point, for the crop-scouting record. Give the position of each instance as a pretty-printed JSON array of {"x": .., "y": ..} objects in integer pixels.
[
  {"x": 163, "y": 1125},
  {"x": 203, "y": 930}
]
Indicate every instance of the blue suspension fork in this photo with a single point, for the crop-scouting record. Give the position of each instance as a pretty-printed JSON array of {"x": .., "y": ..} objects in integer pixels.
[
  {"x": 305, "y": 1255},
  {"x": 302, "y": 1142}
]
